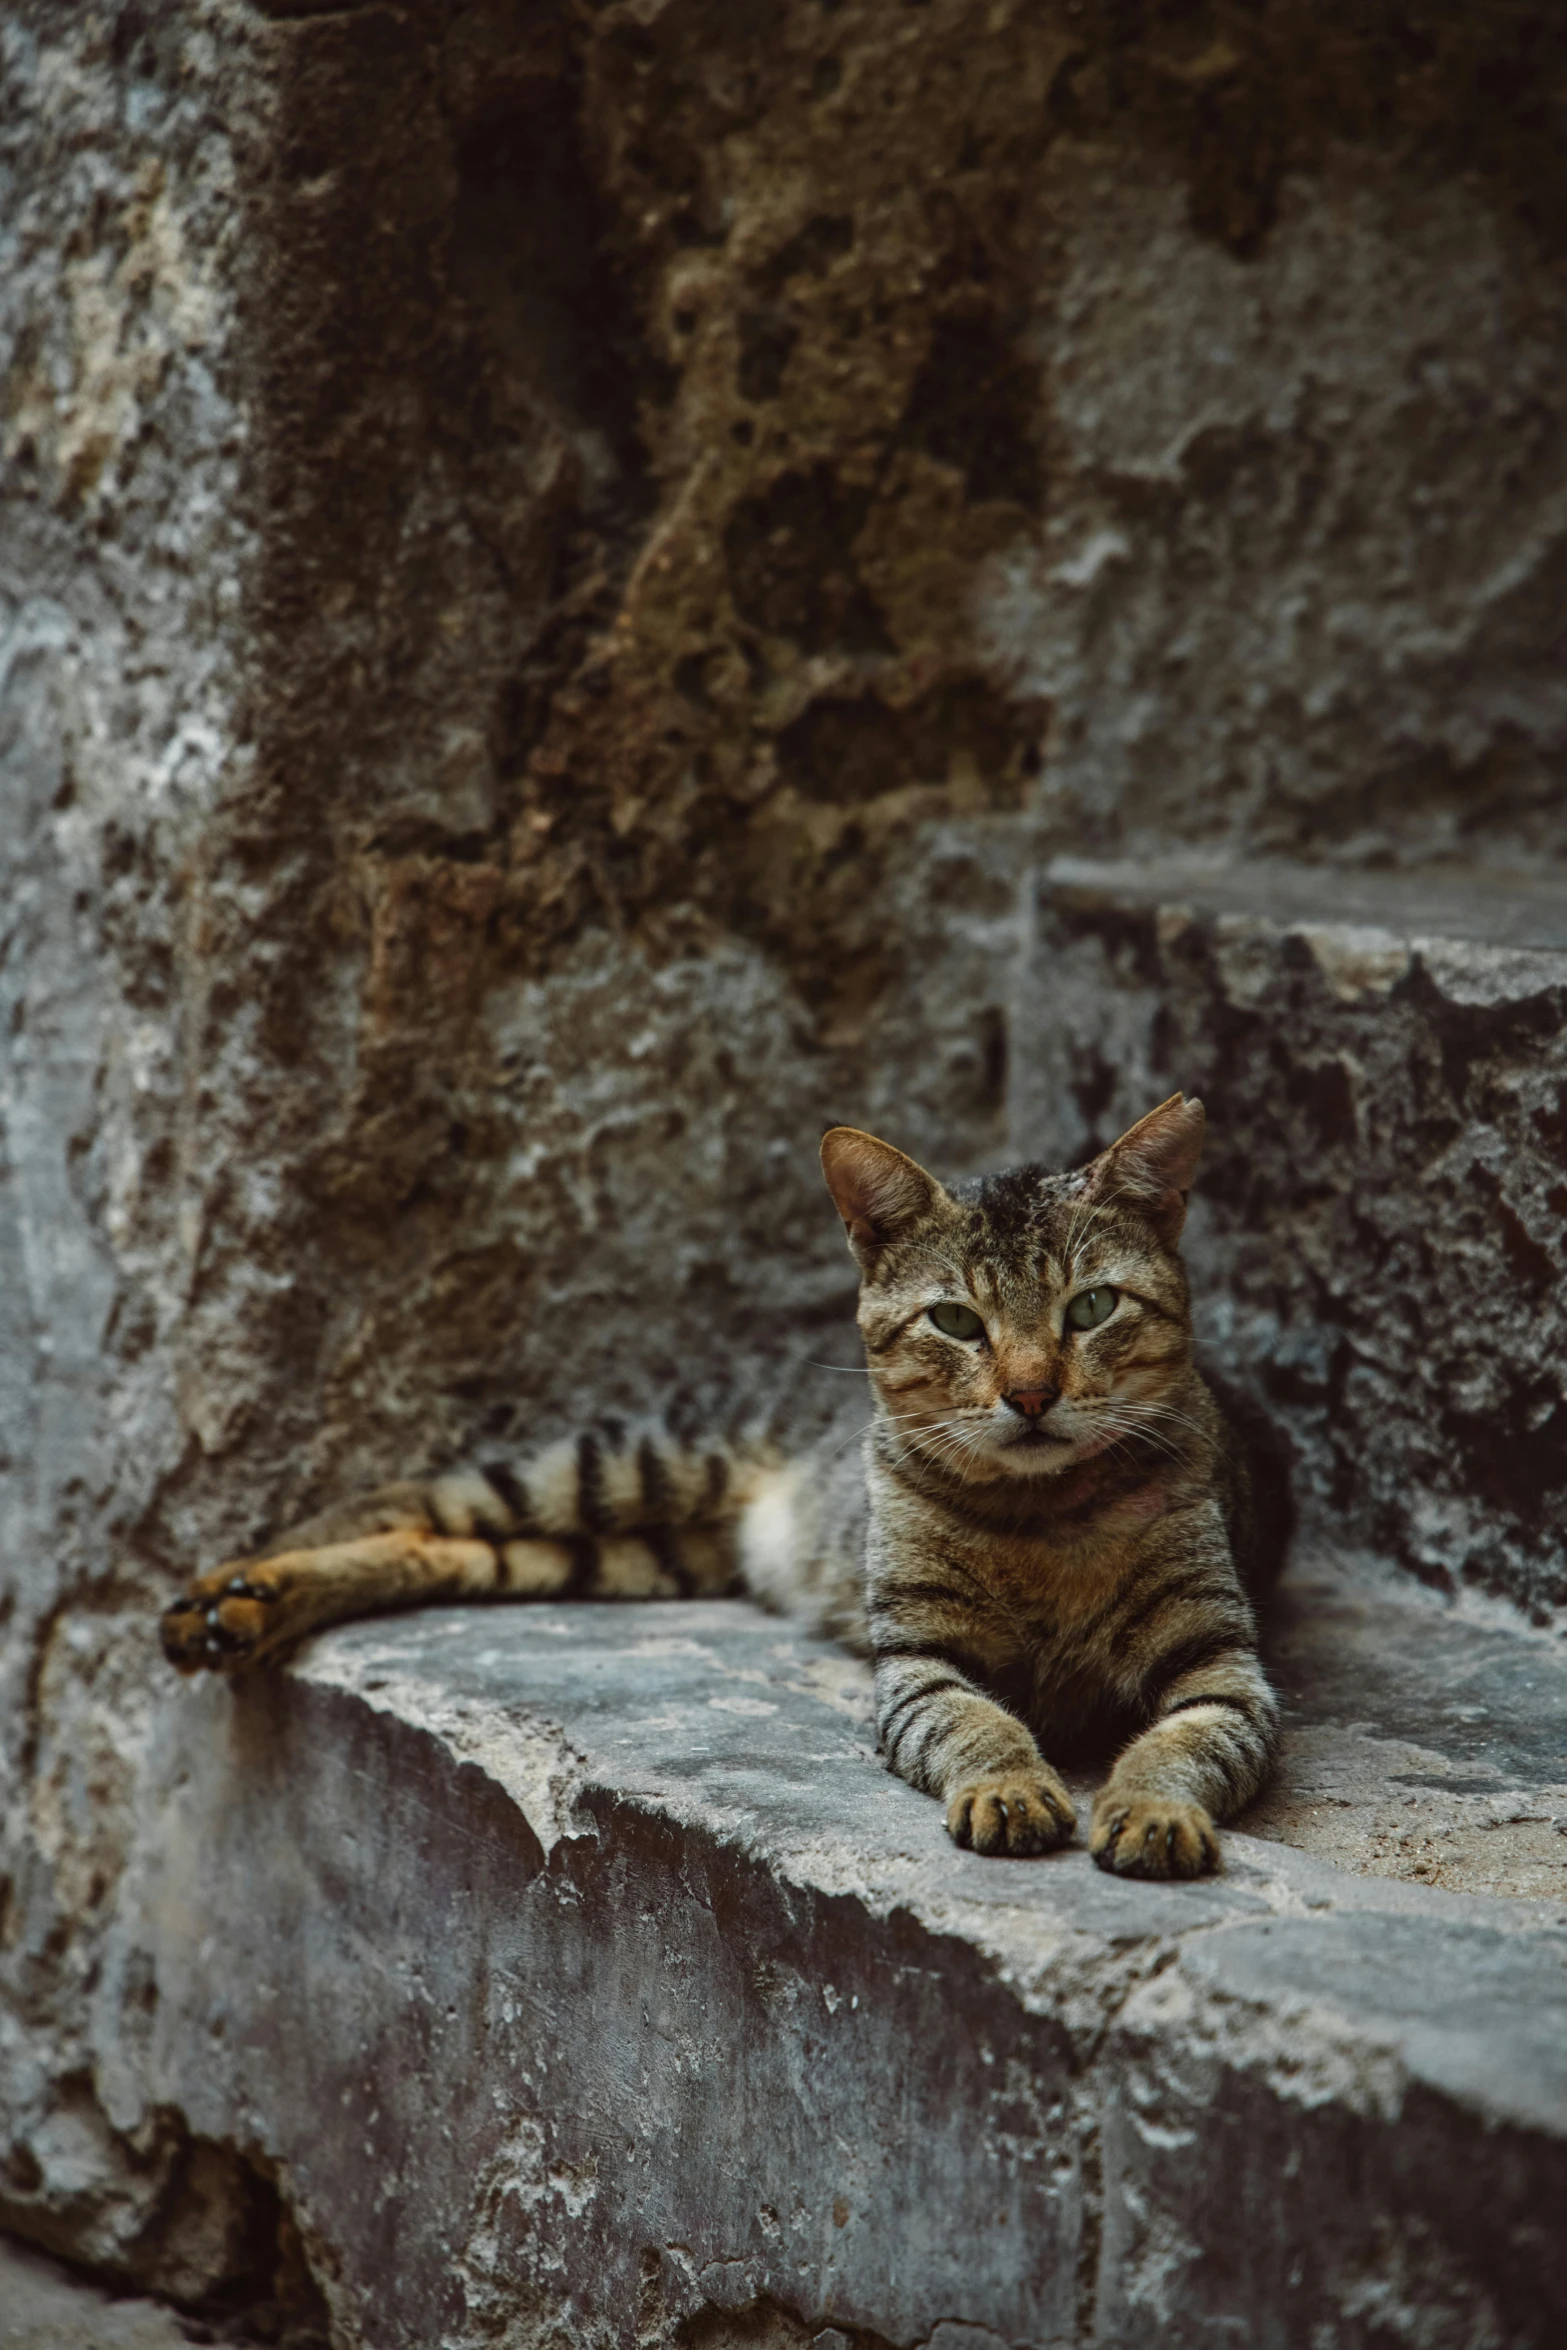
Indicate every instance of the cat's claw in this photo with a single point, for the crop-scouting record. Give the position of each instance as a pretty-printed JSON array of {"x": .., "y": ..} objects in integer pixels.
[
  {"x": 1014, "y": 1816},
  {"x": 1154, "y": 1837},
  {"x": 225, "y": 1621}
]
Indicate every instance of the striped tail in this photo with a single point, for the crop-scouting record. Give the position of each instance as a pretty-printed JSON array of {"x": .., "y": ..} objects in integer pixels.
[{"x": 623, "y": 1510}]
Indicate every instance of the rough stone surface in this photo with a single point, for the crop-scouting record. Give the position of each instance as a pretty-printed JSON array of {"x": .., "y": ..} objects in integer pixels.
[
  {"x": 123, "y": 537},
  {"x": 1381, "y": 1237},
  {"x": 45, "y": 2307},
  {"x": 559, "y": 571},
  {"x": 1424, "y": 1741},
  {"x": 586, "y": 1978}
]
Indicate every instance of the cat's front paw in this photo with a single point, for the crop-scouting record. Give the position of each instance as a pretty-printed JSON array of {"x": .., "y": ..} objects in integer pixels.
[
  {"x": 230, "y": 1617},
  {"x": 1153, "y": 1836},
  {"x": 1017, "y": 1814}
]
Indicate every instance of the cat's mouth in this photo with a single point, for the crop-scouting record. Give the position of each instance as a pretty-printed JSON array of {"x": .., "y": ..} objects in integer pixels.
[{"x": 1036, "y": 1446}]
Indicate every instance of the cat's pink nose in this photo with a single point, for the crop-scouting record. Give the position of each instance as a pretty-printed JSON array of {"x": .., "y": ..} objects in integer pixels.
[{"x": 1031, "y": 1402}]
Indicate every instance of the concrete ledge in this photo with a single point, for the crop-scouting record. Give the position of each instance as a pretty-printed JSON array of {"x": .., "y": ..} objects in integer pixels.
[
  {"x": 1423, "y": 1740},
  {"x": 590, "y": 1983}
]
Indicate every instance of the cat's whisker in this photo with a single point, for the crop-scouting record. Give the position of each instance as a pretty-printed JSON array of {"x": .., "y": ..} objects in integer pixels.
[
  {"x": 1081, "y": 1208},
  {"x": 1163, "y": 1411},
  {"x": 1092, "y": 1204},
  {"x": 947, "y": 1440},
  {"x": 1079, "y": 1238},
  {"x": 1168, "y": 1411},
  {"x": 844, "y": 1443},
  {"x": 1126, "y": 1428},
  {"x": 1082, "y": 1215},
  {"x": 944, "y": 1432},
  {"x": 1126, "y": 1436},
  {"x": 1169, "y": 1446},
  {"x": 952, "y": 1436},
  {"x": 1127, "y": 1415}
]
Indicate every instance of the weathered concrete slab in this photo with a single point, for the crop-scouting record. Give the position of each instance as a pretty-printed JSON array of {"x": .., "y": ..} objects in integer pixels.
[
  {"x": 1379, "y": 1236},
  {"x": 588, "y": 1981},
  {"x": 44, "y": 2307},
  {"x": 1424, "y": 1740}
]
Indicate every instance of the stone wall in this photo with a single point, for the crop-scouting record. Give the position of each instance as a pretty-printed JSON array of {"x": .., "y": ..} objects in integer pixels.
[
  {"x": 561, "y": 570},
  {"x": 126, "y": 543}
]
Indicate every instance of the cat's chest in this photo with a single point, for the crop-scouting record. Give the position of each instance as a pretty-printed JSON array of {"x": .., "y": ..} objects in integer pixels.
[
  {"x": 1054, "y": 1681},
  {"x": 1049, "y": 1617},
  {"x": 1051, "y": 1595},
  {"x": 1059, "y": 1683}
]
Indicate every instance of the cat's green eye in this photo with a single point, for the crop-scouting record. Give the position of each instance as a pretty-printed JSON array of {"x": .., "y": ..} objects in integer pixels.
[
  {"x": 1090, "y": 1307},
  {"x": 957, "y": 1321}
]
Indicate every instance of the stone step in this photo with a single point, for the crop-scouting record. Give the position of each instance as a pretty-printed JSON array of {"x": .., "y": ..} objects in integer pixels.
[
  {"x": 1422, "y": 1741},
  {"x": 1379, "y": 1238},
  {"x": 46, "y": 2306},
  {"x": 583, "y": 1978}
]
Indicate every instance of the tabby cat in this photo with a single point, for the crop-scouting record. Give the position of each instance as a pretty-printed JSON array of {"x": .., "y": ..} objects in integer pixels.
[{"x": 1046, "y": 1546}]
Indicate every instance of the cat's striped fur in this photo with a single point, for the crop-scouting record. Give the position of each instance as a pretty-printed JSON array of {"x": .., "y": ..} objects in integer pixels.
[{"x": 1046, "y": 1544}]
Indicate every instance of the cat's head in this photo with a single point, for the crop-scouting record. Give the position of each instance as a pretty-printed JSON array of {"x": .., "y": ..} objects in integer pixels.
[{"x": 1020, "y": 1324}]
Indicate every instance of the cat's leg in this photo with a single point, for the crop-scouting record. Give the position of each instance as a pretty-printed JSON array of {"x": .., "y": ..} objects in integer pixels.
[
  {"x": 551, "y": 1529},
  {"x": 250, "y": 1612},
  {"x": 941, "y": 1732},
  {"x": 1187, "y": 1640},
  {"x": 937, "y": 1644},
  {"x": 386, "y": 1548}
]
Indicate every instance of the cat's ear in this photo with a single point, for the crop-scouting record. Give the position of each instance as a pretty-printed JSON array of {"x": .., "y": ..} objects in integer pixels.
[
  {"x": 1153, "y": 1166},
  {"x": 876, "y": 1190}
]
